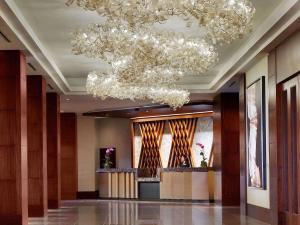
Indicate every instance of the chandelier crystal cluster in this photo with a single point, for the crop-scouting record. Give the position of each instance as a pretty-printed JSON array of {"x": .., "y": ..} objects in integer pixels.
[
  {"x": 224, "y": 20},
  {"x": 145, "y": 63},
  {"x": 141, "y": 55},
  {"x": 105, "y": 85}
]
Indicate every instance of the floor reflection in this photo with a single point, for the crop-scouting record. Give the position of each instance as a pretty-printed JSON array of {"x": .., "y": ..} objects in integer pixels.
[{"x": 142, "y": 213}]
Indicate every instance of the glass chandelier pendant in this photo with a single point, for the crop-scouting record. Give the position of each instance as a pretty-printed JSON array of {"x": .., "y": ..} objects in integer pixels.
[
  {"x": 144, "y": 55},
  {"x": 146, "y": 63},
  {"x": 223, "y": 20},
  {"x": 106, "y": 85}
]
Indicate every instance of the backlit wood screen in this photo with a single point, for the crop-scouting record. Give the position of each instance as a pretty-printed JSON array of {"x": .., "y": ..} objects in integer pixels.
[
  {"x": 151, "y": 139},
  {"x": 182, "y": 136}
]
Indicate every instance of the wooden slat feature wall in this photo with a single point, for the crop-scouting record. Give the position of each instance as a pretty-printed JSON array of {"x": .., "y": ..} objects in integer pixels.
[
  {"x": 69, "y": 178},
  {"x": 182, "y": 129},
  {"x": 13, "y": 139},
  {"x": 182, "y": 135},
  {"x": 151, "y": 140}
]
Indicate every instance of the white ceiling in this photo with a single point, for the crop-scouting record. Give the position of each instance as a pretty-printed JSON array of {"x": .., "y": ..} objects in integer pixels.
[
  {"x": 86, "y": 103},
  {"x": 52, "y": 21},
  {"x": 49, "y": 24}
]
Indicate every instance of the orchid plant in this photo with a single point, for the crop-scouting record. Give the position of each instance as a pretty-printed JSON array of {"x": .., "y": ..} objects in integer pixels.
[
  {"x": 203, "y": 163},
  {"x": 108, "y": 161}
]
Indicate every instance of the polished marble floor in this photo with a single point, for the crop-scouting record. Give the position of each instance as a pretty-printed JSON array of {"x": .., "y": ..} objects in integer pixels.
[{"x": 104, "y": 212}]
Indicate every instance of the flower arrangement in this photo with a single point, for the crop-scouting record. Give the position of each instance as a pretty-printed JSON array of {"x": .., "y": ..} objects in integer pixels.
[
  {"x": 108, "y": 161},
  {"x": 202, "y": 153}
]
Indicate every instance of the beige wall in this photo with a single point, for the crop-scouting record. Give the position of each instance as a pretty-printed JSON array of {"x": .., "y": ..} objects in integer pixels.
[
  {"x": 94, "y": 134},
  {"x": 254, "y": 196},
  {"x": 87, "y": 145},
  {"x": 115, "y": 132}
]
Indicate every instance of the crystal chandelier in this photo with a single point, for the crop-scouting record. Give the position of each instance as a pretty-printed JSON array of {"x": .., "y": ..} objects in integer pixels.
[
  {"x": 144, "y": 55},
  {"x": 105, "y": 85},
  {"x": 146, "y": 63},
  {"x": 223, "y": 20}
]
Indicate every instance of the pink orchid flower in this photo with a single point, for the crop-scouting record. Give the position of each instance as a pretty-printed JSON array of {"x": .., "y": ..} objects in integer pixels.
[{"x": 200, "y": 145}]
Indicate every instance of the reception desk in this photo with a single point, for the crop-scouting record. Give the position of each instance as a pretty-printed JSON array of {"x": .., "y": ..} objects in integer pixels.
[
  {"x": 187, "y": 183},
  {"x": 117, "y": 183},
  {"x": 173, "y": 183}
]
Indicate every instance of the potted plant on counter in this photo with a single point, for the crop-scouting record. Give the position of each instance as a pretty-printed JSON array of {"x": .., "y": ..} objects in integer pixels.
[
  {"x": 203, "y": 162},
  {"x": 108, "y": 163}
]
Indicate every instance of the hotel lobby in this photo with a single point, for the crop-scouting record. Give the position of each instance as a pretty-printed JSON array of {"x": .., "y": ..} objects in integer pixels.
[{"x": 153, "y": 112}]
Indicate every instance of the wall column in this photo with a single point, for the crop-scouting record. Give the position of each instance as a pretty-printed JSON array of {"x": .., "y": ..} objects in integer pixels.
[
  {"x": 37, "y": 148},
  {"x": 13, "y": 139},
  {"x": 227, "y": 148},
  {"x": 69, "y": 177},
  {"x": 243, "y": 152},
  {"x": 53, "y": 150}
]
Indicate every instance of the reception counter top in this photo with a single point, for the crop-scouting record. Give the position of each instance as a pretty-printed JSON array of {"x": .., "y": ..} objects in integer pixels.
[
  {"x": 181, "y": 169},
  {"x": 117, "y": 170},
  {"x": 159, "y": 170}
]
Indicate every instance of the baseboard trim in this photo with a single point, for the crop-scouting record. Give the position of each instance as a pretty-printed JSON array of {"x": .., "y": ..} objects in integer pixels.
[
  {"x": 162, "y": 200},
  {"x": 87, "y": 195},
  {"x": 259, "y": 213}
]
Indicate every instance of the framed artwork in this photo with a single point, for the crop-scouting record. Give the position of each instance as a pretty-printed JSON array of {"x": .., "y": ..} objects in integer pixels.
[{"x": 256, "y": 134}]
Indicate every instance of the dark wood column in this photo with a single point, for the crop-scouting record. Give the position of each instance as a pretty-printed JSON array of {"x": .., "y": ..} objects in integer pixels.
[
  {"x": 37, "y": 148},
  {"x": 13, "y": 139},
  {"x": 273, "y": 98},
  {"x": 53, "y": 150},
  {"x": 243, "y": 152},
  {"x": 226, "y": 147},
  {"x": 68, "y": 156}
]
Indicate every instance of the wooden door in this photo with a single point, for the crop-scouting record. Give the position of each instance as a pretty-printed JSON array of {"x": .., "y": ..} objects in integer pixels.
[{"x": 289, "y": 152}]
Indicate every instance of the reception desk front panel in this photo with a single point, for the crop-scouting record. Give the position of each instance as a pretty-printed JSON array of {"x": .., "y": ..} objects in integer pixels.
[
  {"x": 175, "y": 183},
  {"x": 116, "y": 183},
  {"x": 187, "y": 185}
]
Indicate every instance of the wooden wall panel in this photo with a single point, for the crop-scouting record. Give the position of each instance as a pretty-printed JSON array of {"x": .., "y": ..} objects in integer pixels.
[
  {"x": 283, "y": 63},
  {"x": 288, "y": 152},
  {"x": 68, "y": 156},
  {"x": 53, "y": 150},
  {"x": 13, "y": 139},
  {"x": 273, "y": 137},
  {"x": 230, "y": 149},
  {"x": 37, "y": 147},
  {"x": 227, "y": 146},
  {"x": 217, "y": 147}
]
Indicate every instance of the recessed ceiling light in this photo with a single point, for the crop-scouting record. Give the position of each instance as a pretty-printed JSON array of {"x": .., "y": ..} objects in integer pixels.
[{"x": 68, "y": 99}]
